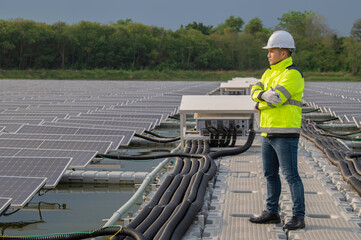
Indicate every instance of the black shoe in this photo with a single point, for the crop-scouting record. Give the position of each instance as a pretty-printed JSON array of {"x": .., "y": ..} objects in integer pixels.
[
  {"x": 266, "y": 217},
  {"x": 296, "y": 222}
]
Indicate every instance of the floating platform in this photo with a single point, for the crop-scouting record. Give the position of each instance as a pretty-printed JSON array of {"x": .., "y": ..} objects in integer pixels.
[{"x": 333, "y": 209}]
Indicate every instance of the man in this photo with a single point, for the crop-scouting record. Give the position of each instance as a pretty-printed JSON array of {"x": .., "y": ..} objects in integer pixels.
[{"x": 279, "y": 100}]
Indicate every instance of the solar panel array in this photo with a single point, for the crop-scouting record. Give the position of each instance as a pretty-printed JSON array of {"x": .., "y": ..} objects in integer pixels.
[
  {"x": 340, "y": 99},
  {"x": 47, "y": 126}
]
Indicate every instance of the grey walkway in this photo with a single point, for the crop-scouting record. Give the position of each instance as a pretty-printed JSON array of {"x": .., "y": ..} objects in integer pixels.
[{"x": 332, "y": 208}]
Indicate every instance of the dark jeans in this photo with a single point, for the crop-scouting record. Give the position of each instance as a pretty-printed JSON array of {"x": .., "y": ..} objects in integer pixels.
[{"x": 282, "y": 152}]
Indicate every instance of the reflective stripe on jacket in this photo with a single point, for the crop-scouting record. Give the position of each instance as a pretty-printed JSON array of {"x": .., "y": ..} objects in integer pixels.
[{"x": 285, "y": 117}]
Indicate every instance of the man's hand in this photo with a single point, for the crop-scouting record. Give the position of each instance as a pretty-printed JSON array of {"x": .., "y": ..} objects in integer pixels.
[{"x": 271, "y": 96}]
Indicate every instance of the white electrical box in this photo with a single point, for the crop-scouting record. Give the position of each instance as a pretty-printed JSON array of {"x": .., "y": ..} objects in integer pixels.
[
  {"x": 217, "y": 113},
  {"x": 235, "y": 88}
]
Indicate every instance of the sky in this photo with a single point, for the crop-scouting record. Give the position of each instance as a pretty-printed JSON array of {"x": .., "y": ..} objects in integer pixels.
[{"x": 171, "y": 14}]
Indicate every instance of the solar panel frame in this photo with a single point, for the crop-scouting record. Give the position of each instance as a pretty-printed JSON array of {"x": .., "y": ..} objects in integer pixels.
[
  {"x": 357, "y": 119},
  {"x": 50, "y": 168},
  {"x": 30, "y": 136},
  {"x": 11, "y": 127},
  {"x": 99, "y": 146},
  {"x": 85, "y": 125},
  {"x": 16, "y": 121},
  {"x": 4, "y": 204},
  {"x": 15, "y": 114},
  {"x": 154, "y": 122},
  {"x": 80, "y": 159},
  {"x": 116, "y": 140},
  {"x": 141, "y": 125},
  {"x": 20, "y": 189},
  {"x": 35, "y": 129}
]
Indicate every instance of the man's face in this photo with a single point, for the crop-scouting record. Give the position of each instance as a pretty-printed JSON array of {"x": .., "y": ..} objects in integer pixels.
[{"x": 275, "y": 55}]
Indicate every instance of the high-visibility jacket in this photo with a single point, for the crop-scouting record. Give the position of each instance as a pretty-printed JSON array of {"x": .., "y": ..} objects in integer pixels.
[{"x": 283, "y": 119}]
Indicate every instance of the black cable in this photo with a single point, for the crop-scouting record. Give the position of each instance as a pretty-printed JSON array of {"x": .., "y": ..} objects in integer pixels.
[
  {"x": 213, "y": 137},
  {"x": 10, "y": 213},
  {"x": 338, "y": 155},
  {"x": 238, "y": 150},
  {"x": 222, "y": 139},
  {"x": 180, "y": 196},
  {"x": 157, "y": 135},
  {"x": 174, "y": 117},
  {"x": 354, "y": 155},
  {"x": 157, "y": 140},
  {"x": 326, "y": 120},
  {"x": 313, "y": 110},
  {"x": 119, "y": 230},
  {"x": 339, "y": 134},
  {"x": 234, "y": 137},
  {"x": 228, "y": 136}
]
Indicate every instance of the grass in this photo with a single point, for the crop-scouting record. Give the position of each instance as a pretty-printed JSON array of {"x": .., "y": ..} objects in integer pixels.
[{"x": 175, "y": 75}]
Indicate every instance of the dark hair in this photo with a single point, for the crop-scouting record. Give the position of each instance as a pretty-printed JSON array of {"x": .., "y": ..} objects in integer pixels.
[{"x": 289, "y": 53}]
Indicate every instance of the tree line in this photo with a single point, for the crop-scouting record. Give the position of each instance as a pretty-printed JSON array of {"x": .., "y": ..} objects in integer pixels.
[{"x": 232, "y": 45}]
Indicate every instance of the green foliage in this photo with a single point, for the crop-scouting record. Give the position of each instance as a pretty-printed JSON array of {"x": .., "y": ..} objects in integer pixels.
[
  {"x": 131, "y": 46},
  {"x": 231, "y": 25},
  {"x": 294, "y": 22},
  {"x": 166, "y": 75},
  {"x": 352, "y": 54},
  {"x": 200, "y": 27},
  {"x": 356, "y": 30},
  {"x": 254, "y": 26}
]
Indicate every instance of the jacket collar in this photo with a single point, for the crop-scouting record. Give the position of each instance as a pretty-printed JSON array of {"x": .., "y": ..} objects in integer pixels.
[{"x": 283, "y": 64}]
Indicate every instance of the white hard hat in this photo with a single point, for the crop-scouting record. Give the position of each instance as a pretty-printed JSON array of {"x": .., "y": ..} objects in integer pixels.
[{"x": 281, "y": 39}]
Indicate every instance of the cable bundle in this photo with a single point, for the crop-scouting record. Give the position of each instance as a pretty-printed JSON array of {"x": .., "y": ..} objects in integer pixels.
[
  {"x": 180, "y": 197},
  {"x": 336, "y": 152}
]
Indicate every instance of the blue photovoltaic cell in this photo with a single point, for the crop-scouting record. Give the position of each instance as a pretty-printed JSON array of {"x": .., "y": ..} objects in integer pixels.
[
  {"x": 20, "y": 189},
  {"x": 50, "y": 168}
]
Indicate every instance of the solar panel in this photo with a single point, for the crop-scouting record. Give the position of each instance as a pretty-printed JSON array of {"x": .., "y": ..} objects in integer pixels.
[
  {"x": 116, "y": 140},
  {"x": 31, "y": 136},
  {"x": 93, "y": 131},
  {"x": 34, "y": 129},
  {"x": 50, "y": 168},
  {"x": 357, "y": 119},
  {"x": 19, "y": 143},
  {"x": 84, "y": 125},
  {"x": 4, "y": 204},
  {"x": 6, "y": 118},
  {"x": 20, "y": 189},
  {"x": 105, "y": 119},
  {"x": 38, "y": 115},
  {"x": 11, "y": 127},
  {"x": 123, "y": 123},
  {"x": 19, "y": 121},
  {"x": 9, "y": 151},
  {"x": 101, "y": 147},
  {"x": 159, "y": 117},
  {"x": 80, "y": 159}
]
